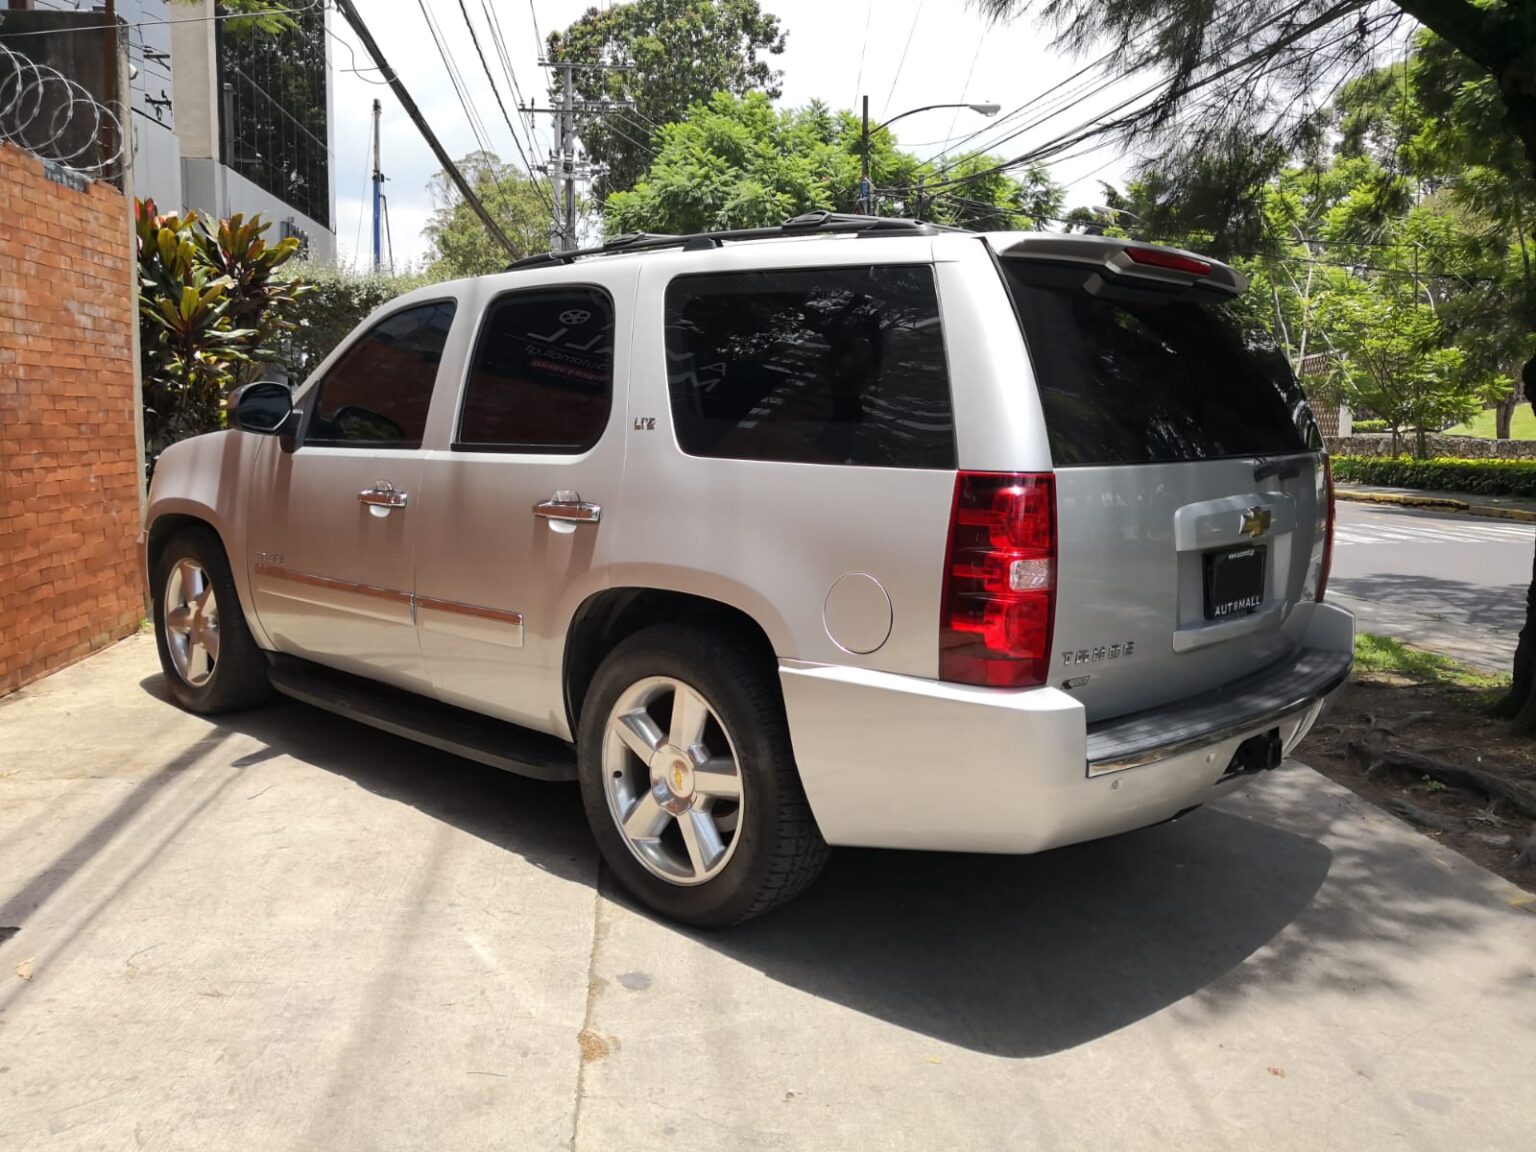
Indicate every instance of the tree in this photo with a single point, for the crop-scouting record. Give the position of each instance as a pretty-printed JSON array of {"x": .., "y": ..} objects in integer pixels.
[
  {"x": 460, "y": 244},
  {"x": 675, "y": 53},
  {"x": 1397, "y": 361},
  {"x": 1241, "y": 76},
  {"x": 738, "y": 162}
]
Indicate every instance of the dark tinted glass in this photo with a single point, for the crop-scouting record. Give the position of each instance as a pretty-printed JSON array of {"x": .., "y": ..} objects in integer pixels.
[
  {"x": 1137, "y": 376},
  {"x": 542, "y": 374},
  {"x": 263, "y": 406},
  {"x": 824, "y": 366},
  {"x": 378, "y": 393}
]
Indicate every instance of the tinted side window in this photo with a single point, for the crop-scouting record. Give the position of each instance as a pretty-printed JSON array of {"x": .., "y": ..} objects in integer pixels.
[
  {"x": 542, "y": 375},
  {"x": 378, "y": 393},
  {"x": 1135, "y": 376},
  {"x": 822, "y": 366}
]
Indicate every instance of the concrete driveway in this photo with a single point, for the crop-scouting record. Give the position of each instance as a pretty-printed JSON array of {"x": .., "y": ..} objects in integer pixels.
[{"x": 288, "y": 931}]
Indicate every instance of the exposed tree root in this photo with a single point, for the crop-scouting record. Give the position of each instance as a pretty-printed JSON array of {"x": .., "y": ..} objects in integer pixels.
[{"x": 1520, "y": 798}]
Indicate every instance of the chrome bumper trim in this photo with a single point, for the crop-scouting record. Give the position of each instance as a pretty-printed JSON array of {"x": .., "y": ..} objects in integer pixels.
[{"x": 1311, "y": 700}]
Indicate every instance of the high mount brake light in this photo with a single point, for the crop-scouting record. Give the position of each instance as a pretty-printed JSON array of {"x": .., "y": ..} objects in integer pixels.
[
  {"x": 1164, "y": 258},
  {"x": 999, "y": 598}
]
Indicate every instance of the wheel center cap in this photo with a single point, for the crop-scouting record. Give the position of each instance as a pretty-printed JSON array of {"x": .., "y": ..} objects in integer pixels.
[{"x": 674, "y": 772}]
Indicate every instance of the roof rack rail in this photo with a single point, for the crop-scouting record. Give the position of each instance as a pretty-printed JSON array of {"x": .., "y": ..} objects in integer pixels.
[{"x": 806, "y": 224}]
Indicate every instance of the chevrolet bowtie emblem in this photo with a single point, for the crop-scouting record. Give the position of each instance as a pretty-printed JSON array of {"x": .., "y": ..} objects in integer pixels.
[{"x": 1255, "y": 522}]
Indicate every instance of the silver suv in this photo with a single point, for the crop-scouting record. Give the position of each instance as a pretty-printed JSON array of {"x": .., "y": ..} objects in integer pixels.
[{"x": 850, "y": 531}]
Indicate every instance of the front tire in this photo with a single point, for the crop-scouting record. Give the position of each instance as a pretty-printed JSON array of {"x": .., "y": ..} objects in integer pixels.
[
  {"x": 210, "y": 660},
  {"x": 689, "y": 780}
]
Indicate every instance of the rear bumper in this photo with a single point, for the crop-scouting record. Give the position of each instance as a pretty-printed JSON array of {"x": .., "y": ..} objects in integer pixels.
[
  {"x": 898, "y": 762},
  {"x": 1296, "y": 688}
]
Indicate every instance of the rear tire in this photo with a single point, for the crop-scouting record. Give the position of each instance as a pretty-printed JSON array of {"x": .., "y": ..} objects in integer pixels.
[
  {"x": 210, "y": 660},
  {"x": 718, "y": 827}
]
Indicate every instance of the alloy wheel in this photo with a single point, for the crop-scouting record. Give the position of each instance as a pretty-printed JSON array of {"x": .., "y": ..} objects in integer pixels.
[
  {"x": 673, "y": 780},
  {"x": 192, "y": 622}
]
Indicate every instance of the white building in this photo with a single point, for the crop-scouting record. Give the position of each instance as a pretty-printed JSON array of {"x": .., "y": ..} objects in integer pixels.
[{"x": 226, "y": 121}]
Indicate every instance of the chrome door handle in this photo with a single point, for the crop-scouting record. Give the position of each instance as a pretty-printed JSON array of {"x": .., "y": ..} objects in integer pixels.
[
  {"x": 569, "y": 508},
  {"x": 383, "y": 494}
]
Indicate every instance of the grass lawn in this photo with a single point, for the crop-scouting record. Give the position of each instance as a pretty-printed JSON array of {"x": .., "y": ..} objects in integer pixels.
[
  {"x": 1384, "y": 654},
  {"x": 1522, "y": 427}
]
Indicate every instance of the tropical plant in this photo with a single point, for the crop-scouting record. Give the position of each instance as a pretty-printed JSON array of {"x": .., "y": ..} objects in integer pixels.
[{"x": 211, "y": 307}]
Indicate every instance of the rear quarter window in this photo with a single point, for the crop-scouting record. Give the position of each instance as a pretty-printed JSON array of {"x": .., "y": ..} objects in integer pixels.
[
  {"x": 1130, "y": 375},
  {"x": 823, "y": 366}
]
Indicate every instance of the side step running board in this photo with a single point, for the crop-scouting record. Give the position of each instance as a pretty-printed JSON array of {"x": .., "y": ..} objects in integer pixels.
[{"x": 441, "y": 726}]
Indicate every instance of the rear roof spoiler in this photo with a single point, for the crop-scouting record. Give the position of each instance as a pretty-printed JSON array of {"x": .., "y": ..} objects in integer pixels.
[{"x": 1123, "y": 259}]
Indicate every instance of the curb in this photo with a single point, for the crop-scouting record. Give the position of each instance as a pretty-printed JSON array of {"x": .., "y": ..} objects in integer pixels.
[{"x": 1443, "y": 503}]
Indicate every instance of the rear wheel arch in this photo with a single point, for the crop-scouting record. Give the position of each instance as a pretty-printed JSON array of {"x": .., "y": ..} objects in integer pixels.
[{"x": 607, "y": 618}]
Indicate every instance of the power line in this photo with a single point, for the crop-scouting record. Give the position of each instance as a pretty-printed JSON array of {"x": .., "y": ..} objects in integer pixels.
[
  {"x": 370, "y": 45},
  {"x": 499, "y": 40},
  {"x": 362, "y": 200},
  {"x": 858, "y": 83},
  {"x": 900, "y": 64},
  {"x": 966, "y": 87},
  {"x": 476, "y": 126},
  {"x": 537, "y": 35},
  {"x": 388, "y": 235},
  {"x": 497, "y": 92},
  {"x": 1099, "y": 125}
]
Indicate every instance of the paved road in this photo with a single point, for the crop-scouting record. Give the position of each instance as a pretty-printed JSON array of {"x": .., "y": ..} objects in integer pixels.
[
  {"x": 284, "y": 931},
  {"x": 1449, "y": 581}
]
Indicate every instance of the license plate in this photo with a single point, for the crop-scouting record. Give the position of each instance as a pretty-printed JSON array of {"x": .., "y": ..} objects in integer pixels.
[{"x": 1234, "y": 581}]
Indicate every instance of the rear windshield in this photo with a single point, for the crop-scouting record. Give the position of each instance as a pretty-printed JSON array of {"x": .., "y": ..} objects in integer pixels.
[{"x": 1141, "y": 376}]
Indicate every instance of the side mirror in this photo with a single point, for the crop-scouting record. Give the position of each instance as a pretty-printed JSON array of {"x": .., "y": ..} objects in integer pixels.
[{"x": 264, "y": 407}]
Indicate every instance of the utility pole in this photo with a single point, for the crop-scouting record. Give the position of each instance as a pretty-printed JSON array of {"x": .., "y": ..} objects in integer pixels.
[
  {"x": 349, "y": 14},
  {"x": 864, "y": 162},
  {"x": 565, "y": 168},
  {"x": 866, "y": 193},
  {"x": 378, "y": 186},
  {"x": 568, "y": 153}
]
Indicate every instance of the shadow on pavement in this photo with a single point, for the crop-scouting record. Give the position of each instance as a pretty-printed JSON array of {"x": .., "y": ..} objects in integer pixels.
[
  {"x": 1013, "y": 956},
  {"x": 541, "y": 822},
  {"x": 1493, "y": 607},
  {"x": 1030, "y": 955}
]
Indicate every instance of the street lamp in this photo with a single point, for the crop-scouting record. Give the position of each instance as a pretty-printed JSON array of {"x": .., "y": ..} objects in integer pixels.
[{"x": 864, "y": 189}]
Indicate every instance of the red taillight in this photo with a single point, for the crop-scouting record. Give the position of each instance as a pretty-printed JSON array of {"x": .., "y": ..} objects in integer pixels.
[
  {"x": 1322, "y": 576},
  {"x": 1164, "y": 258},
  {"x": 999, "y": 580}
]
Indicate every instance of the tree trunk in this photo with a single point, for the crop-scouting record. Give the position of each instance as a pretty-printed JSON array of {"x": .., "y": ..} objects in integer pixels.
[
  {"x": 1520, "y": 704},
  {"x": 1504, "y": 414}
]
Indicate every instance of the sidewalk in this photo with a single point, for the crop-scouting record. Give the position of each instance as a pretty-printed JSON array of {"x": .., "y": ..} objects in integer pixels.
[{"x": 1522, "y": 508}]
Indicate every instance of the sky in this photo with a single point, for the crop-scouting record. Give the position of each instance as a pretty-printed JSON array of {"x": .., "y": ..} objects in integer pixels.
[{"x": 902, "y": 53}]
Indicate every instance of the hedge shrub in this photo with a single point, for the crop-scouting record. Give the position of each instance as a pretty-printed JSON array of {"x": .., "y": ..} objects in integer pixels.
[
  {"x": 1370, "y": 425},
  {"x": 1479, "y": 477},
  {"x": 338, "y": 300}
]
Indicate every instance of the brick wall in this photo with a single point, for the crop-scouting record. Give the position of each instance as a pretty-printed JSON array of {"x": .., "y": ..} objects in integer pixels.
[{"x": 69, "y": 471}]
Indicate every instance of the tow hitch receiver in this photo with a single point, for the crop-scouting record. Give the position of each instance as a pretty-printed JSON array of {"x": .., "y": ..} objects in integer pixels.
[{"x": 1261, "y": 753}]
